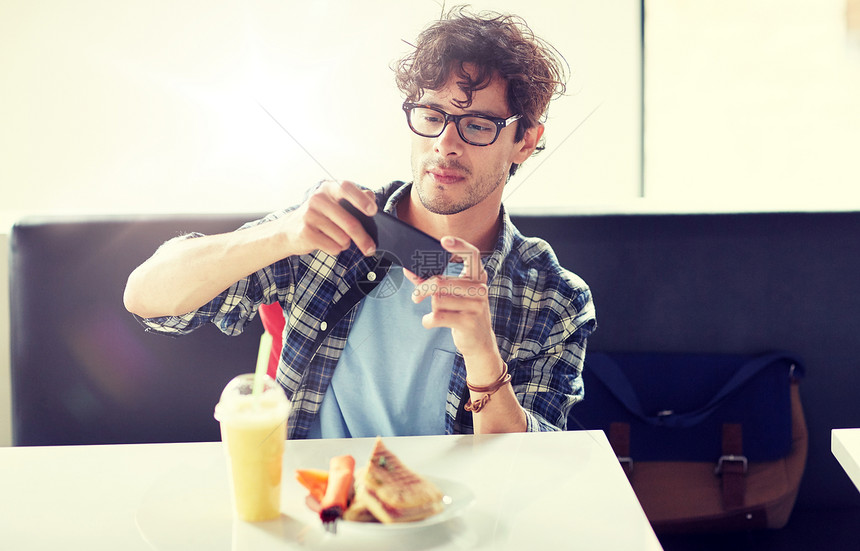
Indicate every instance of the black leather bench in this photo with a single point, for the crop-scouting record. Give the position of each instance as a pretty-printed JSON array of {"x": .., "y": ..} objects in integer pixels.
[{"x": 83, "y": 369}]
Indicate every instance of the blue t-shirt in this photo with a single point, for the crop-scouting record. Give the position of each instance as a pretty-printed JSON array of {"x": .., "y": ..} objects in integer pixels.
[{"x": 392, "y": 378}]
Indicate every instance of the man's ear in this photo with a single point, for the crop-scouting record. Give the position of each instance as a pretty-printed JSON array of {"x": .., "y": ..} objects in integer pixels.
[{"x": 524, "y": 148}]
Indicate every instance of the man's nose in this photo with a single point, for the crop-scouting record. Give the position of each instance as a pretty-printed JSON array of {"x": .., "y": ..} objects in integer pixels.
[{"x": 449, "y": 141}]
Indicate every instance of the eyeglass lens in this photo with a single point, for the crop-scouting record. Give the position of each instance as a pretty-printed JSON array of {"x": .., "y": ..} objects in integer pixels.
[{"x": 474, "y": 129}]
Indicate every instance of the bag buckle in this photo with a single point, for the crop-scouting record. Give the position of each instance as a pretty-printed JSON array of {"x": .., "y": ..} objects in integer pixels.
[{"x": 731, "y": 458}]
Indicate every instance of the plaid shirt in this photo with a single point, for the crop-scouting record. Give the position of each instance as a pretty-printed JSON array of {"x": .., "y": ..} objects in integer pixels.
[{"x": 542, "y": 315}]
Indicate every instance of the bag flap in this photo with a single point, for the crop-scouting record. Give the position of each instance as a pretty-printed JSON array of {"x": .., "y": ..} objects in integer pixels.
[
  {"x": 676, "y": 403},
  {"x": 740, "y": 369}
]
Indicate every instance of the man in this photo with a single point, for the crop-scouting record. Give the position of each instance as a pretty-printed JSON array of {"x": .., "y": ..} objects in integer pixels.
[{"x": 495, "y": 344}]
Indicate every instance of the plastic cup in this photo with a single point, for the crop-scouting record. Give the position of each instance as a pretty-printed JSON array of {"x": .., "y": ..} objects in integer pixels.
[{"x": 253, "y": 430}]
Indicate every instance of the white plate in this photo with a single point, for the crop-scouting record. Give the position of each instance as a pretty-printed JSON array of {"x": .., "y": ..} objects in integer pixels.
[{"x": 457, "y": 498}]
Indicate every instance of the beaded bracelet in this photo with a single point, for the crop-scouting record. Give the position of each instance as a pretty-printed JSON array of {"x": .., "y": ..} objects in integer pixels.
[{"x": 490, "y": 389}]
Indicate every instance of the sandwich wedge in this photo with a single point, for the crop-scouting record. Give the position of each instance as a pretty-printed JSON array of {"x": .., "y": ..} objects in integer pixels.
[{"x": 389, "y": 492}]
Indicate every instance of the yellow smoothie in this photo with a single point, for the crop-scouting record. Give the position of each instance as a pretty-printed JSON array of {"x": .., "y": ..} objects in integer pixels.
[{"x": 253, "y": 429}]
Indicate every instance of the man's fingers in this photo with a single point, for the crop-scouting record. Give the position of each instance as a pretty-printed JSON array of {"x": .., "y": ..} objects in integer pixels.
[
  {"x": 326, "y": 203},
  {"x": 363, "y": 199},
  {"x": 445, "y": 291},
  {"x": 319, "y": 226},
  {"x": 469, "y": 254},
  {"x": 447, "y": 303},
  {"x": 423, "y": 287},
  {"x": 449, "y": 319}
]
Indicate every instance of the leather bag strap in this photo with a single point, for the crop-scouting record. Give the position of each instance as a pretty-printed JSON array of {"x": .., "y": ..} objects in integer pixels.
[
  {"x": 619, "y": 439},
  {"x": 732, "y": 467}
]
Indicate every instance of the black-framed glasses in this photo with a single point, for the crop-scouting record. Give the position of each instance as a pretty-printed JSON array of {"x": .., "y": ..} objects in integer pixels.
[{"x": 430, "y": 122}]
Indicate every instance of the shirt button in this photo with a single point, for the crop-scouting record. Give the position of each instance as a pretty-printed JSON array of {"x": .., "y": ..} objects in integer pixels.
[
  {"x": 371, "y": 276},
  {"x": 323, "y": 326}
]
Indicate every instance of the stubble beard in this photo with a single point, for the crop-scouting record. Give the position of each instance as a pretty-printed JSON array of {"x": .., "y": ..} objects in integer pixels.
[{"x": 438, "y": 203}]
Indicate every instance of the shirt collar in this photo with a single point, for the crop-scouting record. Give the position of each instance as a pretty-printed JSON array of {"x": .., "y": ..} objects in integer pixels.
[
  {"x": 504, "y": 244},
  {"x": 398, "y": 194}
]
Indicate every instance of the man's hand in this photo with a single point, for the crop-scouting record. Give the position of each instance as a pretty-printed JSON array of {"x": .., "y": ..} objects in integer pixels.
[
  {"x": 321, "y": 223},
  {"x": 460, "y": 303}
]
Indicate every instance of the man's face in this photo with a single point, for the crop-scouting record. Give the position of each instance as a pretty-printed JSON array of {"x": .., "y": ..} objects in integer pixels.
[{"x": 450, "y": 175}]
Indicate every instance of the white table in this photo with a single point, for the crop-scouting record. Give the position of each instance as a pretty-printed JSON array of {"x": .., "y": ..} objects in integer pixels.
[
  {"x": 845, "y": 445},
  {"x": 560, "y": 490}
]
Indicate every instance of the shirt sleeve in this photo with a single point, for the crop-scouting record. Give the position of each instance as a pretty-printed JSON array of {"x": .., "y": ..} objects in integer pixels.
[
  {"x": 235, "y": 307},
  {"x": 231, "y": 311},
  {"x": 550, "y": 383}
]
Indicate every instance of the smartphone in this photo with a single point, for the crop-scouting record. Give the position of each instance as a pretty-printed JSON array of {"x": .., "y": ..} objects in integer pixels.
[{"x": 401, "y": 243}]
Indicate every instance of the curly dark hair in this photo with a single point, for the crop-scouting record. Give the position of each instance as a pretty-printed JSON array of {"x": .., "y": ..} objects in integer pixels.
[{"x": 496, "y": 44}]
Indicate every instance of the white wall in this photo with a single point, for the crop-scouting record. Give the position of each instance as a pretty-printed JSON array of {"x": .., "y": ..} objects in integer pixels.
[
  {"x": 753, "y": 104},
  {"x": 151, "y": 105}
]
